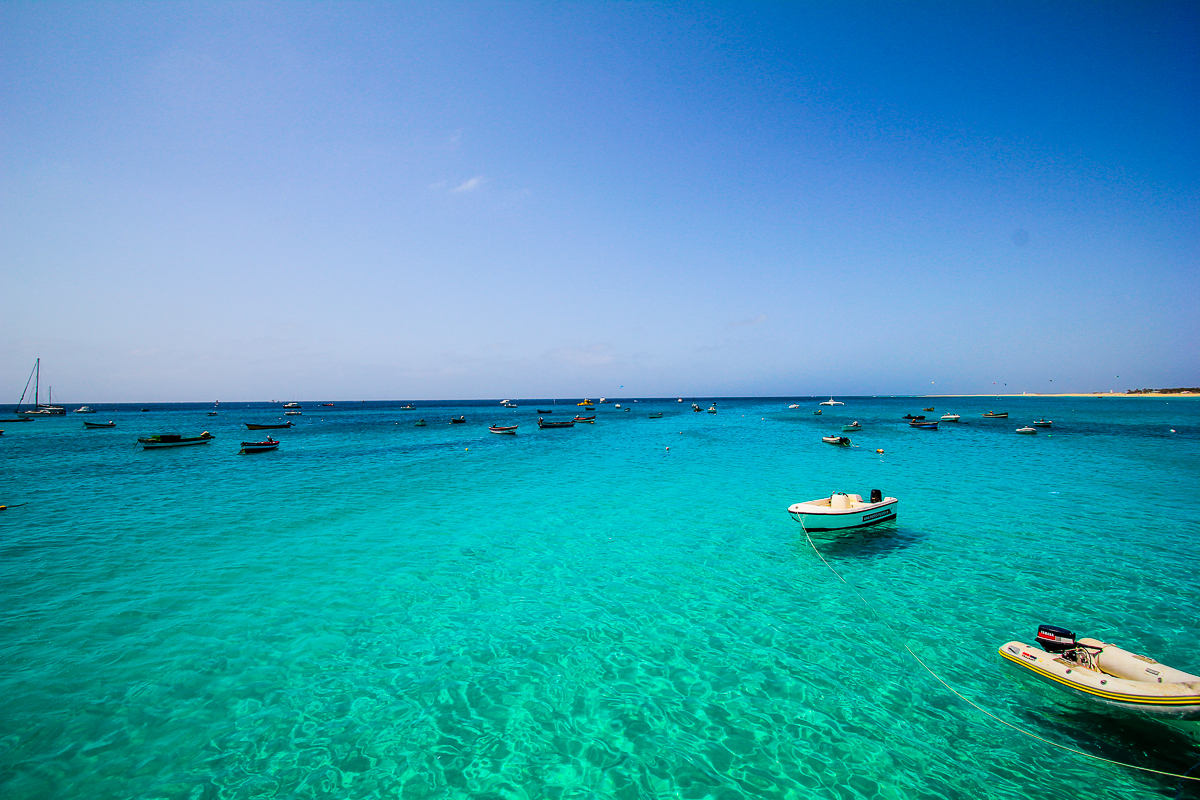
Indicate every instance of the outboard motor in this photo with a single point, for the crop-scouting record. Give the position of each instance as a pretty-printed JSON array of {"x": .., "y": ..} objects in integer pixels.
[
  {"x": 1055, "y": 640},
  {"x": 876, "y": 496}
]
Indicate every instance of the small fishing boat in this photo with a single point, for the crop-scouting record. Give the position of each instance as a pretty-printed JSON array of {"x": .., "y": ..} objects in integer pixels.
[
  {"x": 817, "y": 413},
  {"x": 545, "y": 411},
  {"x": 174, "y": 440},
  {"x": 1026, "y": 430},
  {"x": 627, "y": 408},
  {"x": 927, "y": 409},
  {"x": 839, "y": 441},
  {"x": 458, "y": 420},
  {"x": 419, "y": 423},
  {"x": 1043, "y": 423},
  {"x": 924, "y": 424},
  {"x": 510, "y": 405},
  {"x": 712, "y": 409},
  {"x": 259, "y": 447},
  {"x": 294, "y": 413},
  {"x": 408, "y": 407},
  {"x": 831, "y": 402},
  {"x": 853, "y": 426},
  {"x": 590, "y": 419},
  {"x": 85, "y": 410},
  {"x": 510, "y": 429},
  {"x": 566, "y": 423},
  {"x": 994, "y": 415},
  {"x": 254, "y": 427},
  {"x": 950, "y": 417},
  {"x": 292, "y": 405},
  {"x": 656, "y": 415},
  {"x": 330, "y": 405},
  {"x": 911, "y": 417},
  {"x": 109, "y": 424},
  {"x": 1107, "y": 674},
  {"x": 840, "y": 511}
]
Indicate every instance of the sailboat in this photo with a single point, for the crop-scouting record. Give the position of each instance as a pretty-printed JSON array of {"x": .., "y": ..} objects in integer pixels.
[{"x": 43, "y": 409}]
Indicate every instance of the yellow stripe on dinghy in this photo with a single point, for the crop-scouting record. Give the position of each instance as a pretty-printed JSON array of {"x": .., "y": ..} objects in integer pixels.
[{"x": 1176, "y": 701}]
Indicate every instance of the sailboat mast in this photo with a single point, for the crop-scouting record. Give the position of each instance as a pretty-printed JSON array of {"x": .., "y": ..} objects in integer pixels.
[{"x": 37, "y": 372}]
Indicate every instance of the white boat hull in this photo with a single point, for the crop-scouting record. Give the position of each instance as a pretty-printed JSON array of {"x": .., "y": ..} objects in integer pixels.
[{"x": 819, "y": 515}]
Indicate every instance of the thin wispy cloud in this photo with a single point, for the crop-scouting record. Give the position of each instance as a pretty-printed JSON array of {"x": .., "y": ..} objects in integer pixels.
[
  {"x": 591, "y": 356},
  {"x": 742, "y": 323},
  {"x": 469, "y": 186}
]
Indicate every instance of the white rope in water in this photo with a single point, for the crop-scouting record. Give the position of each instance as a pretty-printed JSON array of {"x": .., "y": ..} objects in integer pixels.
[{"x": 967, "y": 700}]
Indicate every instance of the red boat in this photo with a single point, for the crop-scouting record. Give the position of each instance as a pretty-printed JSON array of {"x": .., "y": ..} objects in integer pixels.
[
  {"x": 259, "y": 447},
  {"x": 591, "y": 419}
]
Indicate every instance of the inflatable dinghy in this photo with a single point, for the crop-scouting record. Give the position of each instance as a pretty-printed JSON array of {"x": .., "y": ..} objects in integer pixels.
[{"x": 1106, "y": 674}]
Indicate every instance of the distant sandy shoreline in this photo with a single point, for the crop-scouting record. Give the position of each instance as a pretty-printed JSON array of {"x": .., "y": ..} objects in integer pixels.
[{"x": 1067, "y": 394}]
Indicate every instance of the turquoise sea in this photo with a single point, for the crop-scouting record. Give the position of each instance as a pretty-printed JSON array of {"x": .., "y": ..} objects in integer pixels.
[{"x": 378, "y": 610}]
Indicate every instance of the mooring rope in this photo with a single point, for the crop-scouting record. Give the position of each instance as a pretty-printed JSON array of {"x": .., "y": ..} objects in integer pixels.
[{"x": 968, "y": 701}]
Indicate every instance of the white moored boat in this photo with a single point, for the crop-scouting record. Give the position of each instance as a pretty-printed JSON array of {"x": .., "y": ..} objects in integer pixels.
[
  {"x": 840, "y": 511},
  {"x": 831, "y": 402},
  {"x": 950, "y": 417},
  {"x": 1106, "y": 674}
]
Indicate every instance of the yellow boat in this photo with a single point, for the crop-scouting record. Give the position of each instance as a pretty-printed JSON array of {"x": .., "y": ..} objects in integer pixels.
[{"x": 1106, "y": 674}]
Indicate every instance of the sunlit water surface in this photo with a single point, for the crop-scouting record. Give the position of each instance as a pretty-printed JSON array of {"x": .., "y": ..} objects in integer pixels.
[{"x": 621, "y": 610}]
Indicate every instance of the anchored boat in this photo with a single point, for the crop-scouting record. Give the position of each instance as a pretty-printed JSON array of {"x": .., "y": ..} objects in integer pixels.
[
  {"x": 840, "y": 441},
  {"x": 840, "y": 511},
  {"x": 511, "y": 429},
  {"x": 260, "y": 447},
  {"x": 1107, "y": 674},
  {"x": 566, "y": 423},
  {"x": 174, "y": 440}
]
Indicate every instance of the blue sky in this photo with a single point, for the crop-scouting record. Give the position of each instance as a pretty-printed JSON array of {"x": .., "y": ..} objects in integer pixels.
[{"x": 459, "y": 200}]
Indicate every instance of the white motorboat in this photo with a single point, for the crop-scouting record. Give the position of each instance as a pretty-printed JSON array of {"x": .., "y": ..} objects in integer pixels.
[
  {"x": 853, "y": 426},
  {"x": 950, "y": 417},
  {"x": 1043, "y": 423},
  {"x": 1026, "y": 430},
  {"x": 794, "y": 405},
  {"x": 85, "y": 410},
  {"x": 831, "y": 402},
  {"x": 840, "y": 511},
  {"x": 1106, "y": 674}
]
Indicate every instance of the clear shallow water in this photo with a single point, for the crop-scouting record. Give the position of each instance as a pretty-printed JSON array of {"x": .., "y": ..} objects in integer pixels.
[{"x": 379, "y": 610}]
